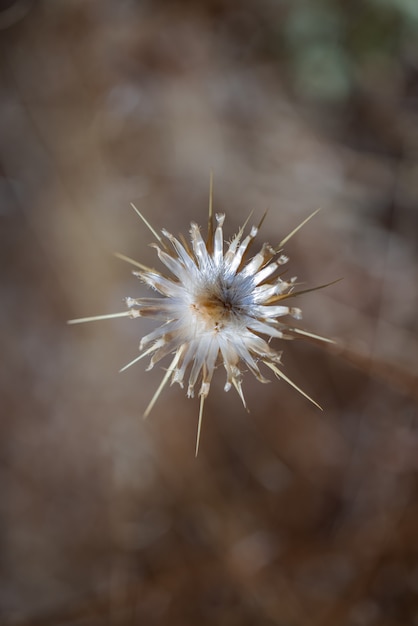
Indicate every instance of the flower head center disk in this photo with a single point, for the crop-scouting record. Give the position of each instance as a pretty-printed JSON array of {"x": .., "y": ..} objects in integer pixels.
[{"x": 213, "y": 310}]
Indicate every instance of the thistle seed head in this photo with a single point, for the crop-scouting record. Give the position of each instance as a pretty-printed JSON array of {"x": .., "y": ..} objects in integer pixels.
[{"x": 217, "y": 304}]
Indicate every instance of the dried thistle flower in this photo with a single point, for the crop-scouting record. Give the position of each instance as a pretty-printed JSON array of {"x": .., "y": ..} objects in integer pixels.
[{"x": 216, "y": 306}]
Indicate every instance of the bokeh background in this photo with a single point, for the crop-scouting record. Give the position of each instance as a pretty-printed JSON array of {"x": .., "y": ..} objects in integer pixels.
[{"x": 289, "y": 516}]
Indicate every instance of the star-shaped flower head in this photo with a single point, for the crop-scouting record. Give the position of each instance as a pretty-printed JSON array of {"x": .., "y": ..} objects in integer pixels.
[{"x": 217, "y": 305}]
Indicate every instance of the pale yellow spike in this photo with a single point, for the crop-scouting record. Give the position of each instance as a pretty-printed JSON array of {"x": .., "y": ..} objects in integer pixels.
[
  {"x": 238, "y": 387},
  {"x": 128, "y": 259},
  {"x": 96, "y": 318},
  {"x": 244, "y": 226},
  {"x": 199, "y": 425},
  {"x": 209, "y": 238},
  {"x": 211, "y": 199},
  {"x": 146, "y": 222},
  {"x": 295, "y": 230},
  {"x": 280, "y": 374},
  {"x": 138, "y": 358},
  {"x": 240, "y": 233},
  {"x": 305, "y": 333},
  {"x": 163, "y": 383},
  {"x": 260, "y": 223},
  {"x": 294, "y": 294}
]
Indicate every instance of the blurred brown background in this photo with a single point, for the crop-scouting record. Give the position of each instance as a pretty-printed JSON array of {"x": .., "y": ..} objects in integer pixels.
[{"x": 289, "y": 516}]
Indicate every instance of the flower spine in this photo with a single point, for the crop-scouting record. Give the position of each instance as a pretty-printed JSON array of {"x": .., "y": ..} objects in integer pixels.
[{"x": 216, "y": 305}]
